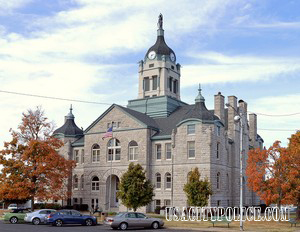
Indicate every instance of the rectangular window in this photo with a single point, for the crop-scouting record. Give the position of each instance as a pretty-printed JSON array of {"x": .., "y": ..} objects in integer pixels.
[
  {"x": 133, "y": 153},
  {"x": 76, "y": 156},
  {"x": 172, "y": 67},
  {"x": 158, "y": 151},
  {"x": 118, "y": 154},
  {"x": 151, "y": 65},
  {"x": 110, "y": 154},
  {"x": 167, "y": 203},
  {"x": 82, "y": 156},
  {"x": 75, "y": 200},
  {"x": 154, "y": 82},
  {"x": 175, "y": 86},
  {"x": 191, "y": 129},
  {"x": 146, "y": 84},
  {"x": 168, "y": 151},
  {"x": 191, "y": 149},
  {"x": 218, "y": 203},
  {"x": 170, "y": 84},
  {"x": 218, "y": 150},
  {"x": 157, "y": 203}
]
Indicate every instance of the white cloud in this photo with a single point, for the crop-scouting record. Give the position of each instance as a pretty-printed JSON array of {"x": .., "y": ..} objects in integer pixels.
[
  {"x": 7, "y": 5},
  {"x": 215, "y": 67}
]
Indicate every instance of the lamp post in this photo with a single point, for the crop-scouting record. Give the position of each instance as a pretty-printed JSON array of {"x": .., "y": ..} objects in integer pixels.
[{"x": 239, "y": 118}]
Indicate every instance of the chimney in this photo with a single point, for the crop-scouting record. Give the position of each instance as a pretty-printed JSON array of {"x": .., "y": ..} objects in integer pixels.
[
  {"x": 253, "y": 129},
  {"x": 232, "y": 100},
  {"x": 219, "y": 107},
  {"x": 243, "y": 106}
]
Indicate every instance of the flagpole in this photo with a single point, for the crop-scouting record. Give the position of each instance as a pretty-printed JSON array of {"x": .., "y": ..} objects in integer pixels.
[{"x": 111, "y": 158}]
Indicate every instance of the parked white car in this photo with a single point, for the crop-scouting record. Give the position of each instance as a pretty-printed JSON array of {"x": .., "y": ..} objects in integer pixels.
[
  {"x": 38, "y": 217},
  {"x": 12, "y": 206}
]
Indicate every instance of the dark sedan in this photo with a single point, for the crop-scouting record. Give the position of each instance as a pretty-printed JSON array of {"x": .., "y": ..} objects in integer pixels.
[{"x": 70, "y": 217}]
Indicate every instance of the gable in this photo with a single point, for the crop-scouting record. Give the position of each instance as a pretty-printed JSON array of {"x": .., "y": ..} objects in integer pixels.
[{"x": 116, "y": 114}]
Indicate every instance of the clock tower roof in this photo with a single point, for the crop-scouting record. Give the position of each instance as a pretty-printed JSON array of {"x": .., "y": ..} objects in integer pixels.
[{"x": 160, "y": 47}]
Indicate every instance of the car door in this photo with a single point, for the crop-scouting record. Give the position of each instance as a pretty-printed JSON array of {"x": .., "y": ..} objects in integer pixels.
[
  {"x": 76, "y": 217},
  {"x": 131, "y": 220},
  {"x": 66, "y": 216},
  {"x": 143, "y": 220}
]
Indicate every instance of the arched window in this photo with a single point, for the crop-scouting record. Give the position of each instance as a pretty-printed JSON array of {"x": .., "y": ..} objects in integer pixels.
[
  {"x": 114, "y": 150},
  {"x": 95, "y": 184},
  {"x": 133, "y": 151},
  {"x": 75, "y": 182},
  {"x": 158, "y": 180},
  {"x": 168, "y": 181},
  {"x": 82, "y": 182},
  {"x": 218, "y": 180},
  {"x": 95, "y": 153}
]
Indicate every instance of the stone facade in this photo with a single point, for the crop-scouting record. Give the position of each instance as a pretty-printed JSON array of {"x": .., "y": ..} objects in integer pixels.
[{"x": 168, "y": 141}]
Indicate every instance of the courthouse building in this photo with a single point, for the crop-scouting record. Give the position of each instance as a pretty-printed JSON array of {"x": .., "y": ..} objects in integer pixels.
[{"x": 167, "y": 136}]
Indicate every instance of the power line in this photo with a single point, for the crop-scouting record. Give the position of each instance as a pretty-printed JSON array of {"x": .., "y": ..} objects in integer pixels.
[
  {"x": 55, "y": 98},
  {"x": 103, "y": 103},
  {"x": 276, "y": 115}
]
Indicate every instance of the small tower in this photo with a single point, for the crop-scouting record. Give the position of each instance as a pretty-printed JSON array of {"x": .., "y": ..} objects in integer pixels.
[
  {"x": 69, "y": 129},
  {"x": 159, "y": 75}
]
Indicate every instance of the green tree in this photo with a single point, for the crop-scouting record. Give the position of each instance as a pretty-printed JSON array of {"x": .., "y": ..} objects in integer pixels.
[
  {"x": 135, "y": 189},
  {"x": 196, "y": 190}
]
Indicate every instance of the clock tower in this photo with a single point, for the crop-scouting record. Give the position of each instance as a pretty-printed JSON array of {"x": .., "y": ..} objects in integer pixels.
[{"x": 159, "y": 75}]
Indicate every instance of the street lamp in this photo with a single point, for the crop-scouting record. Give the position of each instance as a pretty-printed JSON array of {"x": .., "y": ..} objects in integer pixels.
[{"x": 238, "y": 118}]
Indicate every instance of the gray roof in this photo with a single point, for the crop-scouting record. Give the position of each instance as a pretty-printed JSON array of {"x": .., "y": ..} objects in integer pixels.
[
  {"x": 69, "y": 129},
  {"x": 164, "y": 126},
  {"x": 196, "y": 111},
  {"x": 79, "y": 142},
  {"x": 160, "y": 47},
  {"x": 150, "y": 122}
]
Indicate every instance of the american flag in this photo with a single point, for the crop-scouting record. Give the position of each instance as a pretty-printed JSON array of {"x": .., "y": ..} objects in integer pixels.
[{"x": 108, "y": 133}]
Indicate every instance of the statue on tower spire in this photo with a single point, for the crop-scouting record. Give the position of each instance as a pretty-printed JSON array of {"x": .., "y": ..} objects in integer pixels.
[{"x": 160, "y": 21}]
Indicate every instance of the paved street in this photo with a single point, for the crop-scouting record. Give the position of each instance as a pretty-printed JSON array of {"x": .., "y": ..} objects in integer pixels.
[{"x": 7, "y": 227}]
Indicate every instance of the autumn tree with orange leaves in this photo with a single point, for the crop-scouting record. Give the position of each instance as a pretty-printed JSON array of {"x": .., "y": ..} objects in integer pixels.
[
  {"x": 32, "y": 168},
  {"x": 274, "y": 173}
]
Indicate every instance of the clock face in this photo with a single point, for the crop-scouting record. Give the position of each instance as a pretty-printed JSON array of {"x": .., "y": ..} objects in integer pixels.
[
  {"x": 151, "y": 55},
  {"x": 172, "y": 57}
]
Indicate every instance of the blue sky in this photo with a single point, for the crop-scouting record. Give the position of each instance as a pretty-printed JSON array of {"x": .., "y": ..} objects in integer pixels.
[{"x": 89, "y": 49}]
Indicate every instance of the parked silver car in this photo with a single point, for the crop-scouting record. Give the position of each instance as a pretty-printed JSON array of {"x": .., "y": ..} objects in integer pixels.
[
  {"x": 132, "y": 220},
  {"x": 38, "y": 217}
]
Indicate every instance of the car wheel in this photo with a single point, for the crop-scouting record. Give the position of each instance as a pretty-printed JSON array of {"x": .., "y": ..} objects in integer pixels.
[
  {"x": 155, "y": 225},
  {"x": 88, "y": 222},
  {"x": 36, "y": 221},
  {"x": 13, "y": 220},
  {"x": 123, "y": 226},
  {"x": 58, "y": 222}
]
